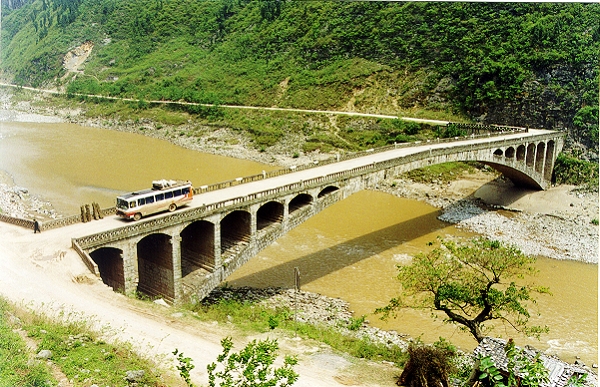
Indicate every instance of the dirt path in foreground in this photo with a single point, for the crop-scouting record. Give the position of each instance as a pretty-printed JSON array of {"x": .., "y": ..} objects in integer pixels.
[{"x": 33, "y": 273}]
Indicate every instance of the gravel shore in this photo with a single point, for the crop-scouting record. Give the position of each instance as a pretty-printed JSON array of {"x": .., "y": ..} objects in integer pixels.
[
  {"x": 559, "y": 223},
  {"x": 17, "y": 202}
]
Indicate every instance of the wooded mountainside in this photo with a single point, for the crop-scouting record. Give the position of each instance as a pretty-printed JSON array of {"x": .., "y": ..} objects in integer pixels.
[{"x": 524, "y": 64}]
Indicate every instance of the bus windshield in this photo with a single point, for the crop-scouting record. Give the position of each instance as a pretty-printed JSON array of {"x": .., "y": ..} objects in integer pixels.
[{"x": 122, "y": 204}]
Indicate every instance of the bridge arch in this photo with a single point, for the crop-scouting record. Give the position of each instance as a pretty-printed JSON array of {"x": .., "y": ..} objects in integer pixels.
[
  {"x": 236, "y": 228},
  {"x": 268, "y": 214},
  {"x": 110, "y": 266},
  {"x": 155, "y": 266},
  {"x": 540, "y": 156},
  {"x": 518, "y": 177},
  {"x": 509, "y": 153},
  {"x": 301, "y": 200},
  {"x": 197, "y": 247},
  {"x": 327, "y": 190},
  {"x": 498, "y": 153},
  {"x": 521, "y": 153}
]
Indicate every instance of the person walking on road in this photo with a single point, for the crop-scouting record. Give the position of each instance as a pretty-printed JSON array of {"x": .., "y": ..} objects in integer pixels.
[{"x": 36, "y": 226}]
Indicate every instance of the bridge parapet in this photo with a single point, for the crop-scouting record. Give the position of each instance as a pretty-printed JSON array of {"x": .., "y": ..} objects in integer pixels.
[
  {"x": 232, "y": 231},
  {"x": 272, "y": 194},
  {"x": 476, "y": 132}
]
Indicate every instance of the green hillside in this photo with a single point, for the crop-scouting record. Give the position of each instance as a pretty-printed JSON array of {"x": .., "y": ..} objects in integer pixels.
[{"x": 526, "y": 64}]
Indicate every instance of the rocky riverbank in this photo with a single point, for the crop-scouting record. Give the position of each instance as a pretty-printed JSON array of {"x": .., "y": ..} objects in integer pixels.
[
  {"x": 559, "y": 223},
  {"x": 17, "y": 202}
]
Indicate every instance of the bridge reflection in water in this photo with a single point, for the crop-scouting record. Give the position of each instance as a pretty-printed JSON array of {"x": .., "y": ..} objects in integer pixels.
[{"x": 184, "y": 255}]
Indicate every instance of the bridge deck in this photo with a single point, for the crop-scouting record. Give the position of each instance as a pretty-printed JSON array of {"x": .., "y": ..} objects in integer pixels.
[{"x": 242, "y": 190}]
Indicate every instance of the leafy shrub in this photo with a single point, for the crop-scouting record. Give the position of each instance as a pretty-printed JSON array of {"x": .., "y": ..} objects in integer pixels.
[
  {"x": 356, "y": 323},
  {"x": 571, "y": 170},
  {"x": 185, "y": 366},
  {"x": 450, "y": 131},
  {"x": 531, "y": 372},
  {"x": 251, "y": 367}
]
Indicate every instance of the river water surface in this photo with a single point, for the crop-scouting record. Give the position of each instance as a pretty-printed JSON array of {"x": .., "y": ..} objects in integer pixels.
[{"x": 350, "y": 251}]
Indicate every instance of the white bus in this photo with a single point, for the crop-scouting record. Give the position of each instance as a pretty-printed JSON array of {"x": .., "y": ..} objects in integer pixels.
[{"x": 164, "y": 195}]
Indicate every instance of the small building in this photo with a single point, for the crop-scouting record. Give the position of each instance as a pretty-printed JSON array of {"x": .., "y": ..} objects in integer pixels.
[{"x": 559, "y": 372}]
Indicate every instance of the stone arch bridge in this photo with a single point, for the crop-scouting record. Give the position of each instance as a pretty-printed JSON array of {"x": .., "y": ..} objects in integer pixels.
[{"x": 184, "y": 255}]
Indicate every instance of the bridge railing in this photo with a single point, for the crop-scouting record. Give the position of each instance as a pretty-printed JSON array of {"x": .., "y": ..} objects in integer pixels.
[
  {"x": 273, "y": 193},
  {"x": 477, "y": 131},
  {"x": 52, "y": 223},
  {"x": 26, "y": 223},
  {"x": 492, "y": 130}
]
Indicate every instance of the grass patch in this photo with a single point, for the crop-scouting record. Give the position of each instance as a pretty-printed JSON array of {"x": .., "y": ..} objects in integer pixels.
[
  {"x": 441, "y": 172},
  {"x": 16, "y": 369},
  {"x": 253, "y": 317},
  {"x": 79, "y": 352},
  {"x": 165, "y": 117}
]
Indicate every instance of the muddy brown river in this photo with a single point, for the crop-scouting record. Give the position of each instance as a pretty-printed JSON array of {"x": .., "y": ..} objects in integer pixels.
[{"x": 349, "y": 251}]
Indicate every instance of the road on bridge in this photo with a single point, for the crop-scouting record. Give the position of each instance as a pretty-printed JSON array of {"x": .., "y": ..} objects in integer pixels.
[{"x": 246, "y": 189}]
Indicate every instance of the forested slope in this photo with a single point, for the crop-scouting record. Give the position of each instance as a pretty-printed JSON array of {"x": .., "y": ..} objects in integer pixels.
[{"x": 526, "y": 64}]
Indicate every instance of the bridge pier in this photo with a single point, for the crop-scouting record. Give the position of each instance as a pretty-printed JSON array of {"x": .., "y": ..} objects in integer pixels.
[
  {"x": 130, "y": 267},
  {"x": 217, "y": 245},
  {"x": 176, "y": 262},
  {"x": 253, "y": 222}
]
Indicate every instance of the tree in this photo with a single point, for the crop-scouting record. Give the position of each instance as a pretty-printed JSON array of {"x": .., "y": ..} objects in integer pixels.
[
  {"x": 251, "y": 367},
  {"x": 465, "y": 281}
]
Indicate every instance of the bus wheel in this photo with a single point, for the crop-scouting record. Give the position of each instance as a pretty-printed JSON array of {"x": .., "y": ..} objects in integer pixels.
[
  {"x": 172, "y": 207},
  {"x": 137, "y": 216}
]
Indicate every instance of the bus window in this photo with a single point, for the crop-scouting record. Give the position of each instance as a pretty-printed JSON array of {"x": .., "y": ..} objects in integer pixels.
[
  {"x": 132, "y": 204},
  {"x": 150, "y": 199},
  {"x": 141, "y": 202},
  {"x": 160, "y": 197},
  {"x": 185, "y": 190},
  {"x": 177, "y": 192},
  {"x": 168, "y": 194}
]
